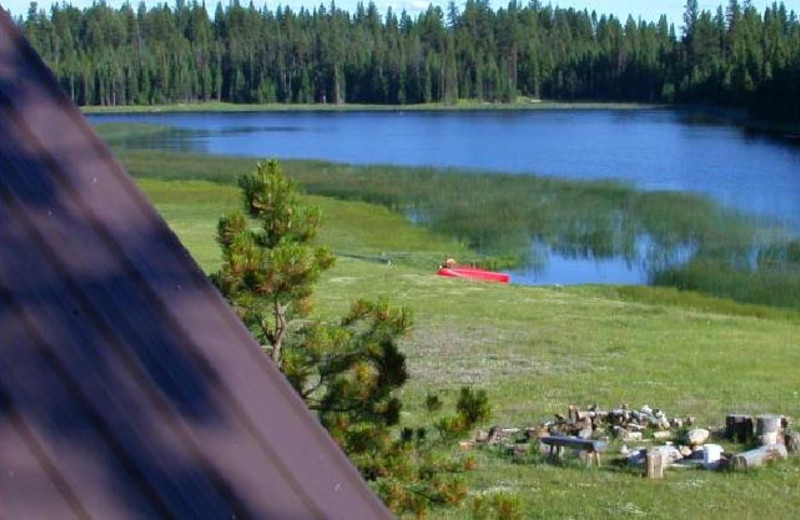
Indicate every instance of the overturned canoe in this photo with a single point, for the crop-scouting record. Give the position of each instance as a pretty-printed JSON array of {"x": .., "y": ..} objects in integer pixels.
[{"x": 474, "y": 273}]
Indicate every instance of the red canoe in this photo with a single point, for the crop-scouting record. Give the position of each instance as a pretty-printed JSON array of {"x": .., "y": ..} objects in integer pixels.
[{"x": 475, "y": 274}]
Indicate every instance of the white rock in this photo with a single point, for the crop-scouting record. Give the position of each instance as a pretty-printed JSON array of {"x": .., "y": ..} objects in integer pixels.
[{"x": 698, "y": 436}]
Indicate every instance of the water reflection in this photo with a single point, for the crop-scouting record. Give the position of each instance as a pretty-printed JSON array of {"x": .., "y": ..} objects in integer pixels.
[
  {"x": 633, "y": 262},
  {"x": 168, "y": 139},
  {"x": 577, "y": 233}
]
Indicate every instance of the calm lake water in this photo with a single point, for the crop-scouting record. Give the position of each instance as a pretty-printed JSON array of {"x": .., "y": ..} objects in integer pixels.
[{"x": 649, "y": 149}]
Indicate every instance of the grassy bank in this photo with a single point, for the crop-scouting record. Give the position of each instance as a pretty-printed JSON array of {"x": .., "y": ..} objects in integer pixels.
[{"x": 538, "y": 349}]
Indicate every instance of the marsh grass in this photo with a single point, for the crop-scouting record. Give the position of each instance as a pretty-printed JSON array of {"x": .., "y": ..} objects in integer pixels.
[
  {"x": 538, "y": 349},
  {"x": 779, "y": 287},
  {"x": 113, "y": 133},
  {"x": 682, "y": 240}
]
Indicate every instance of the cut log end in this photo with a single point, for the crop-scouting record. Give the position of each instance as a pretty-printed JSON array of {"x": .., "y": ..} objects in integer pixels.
[
  {"x": 657, "y": 461},
  {"x": 792, "y": 441},
  {"x": 739, "y": 428}
]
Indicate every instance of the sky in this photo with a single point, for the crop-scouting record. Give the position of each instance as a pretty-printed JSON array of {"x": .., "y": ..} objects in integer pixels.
[{"x": 648, "y": 10}]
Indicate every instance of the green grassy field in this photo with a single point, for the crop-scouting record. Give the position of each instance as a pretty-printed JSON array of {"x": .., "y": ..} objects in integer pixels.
[{"x": 538, "y": 349}]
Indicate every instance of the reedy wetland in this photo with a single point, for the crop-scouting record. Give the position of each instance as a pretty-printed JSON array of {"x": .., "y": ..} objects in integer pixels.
[{"x": 681, "y": 240}]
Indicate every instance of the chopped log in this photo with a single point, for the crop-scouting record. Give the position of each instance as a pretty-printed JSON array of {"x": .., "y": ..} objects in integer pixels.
[
  {"x": 662, "y": 435},
  {"x": 767, "y": 429},
  {"x": 792, "y": 441},
  {"x": 739, "y": 428},
  {"x": 519, "y": 451},
  {"x": 535, "y": 433},
  {"x": 758, "y": 457},
  {"x": 586, "y": 430},
  {"x": 657, "y": 461},
  {"x": 632, "y": 436}
]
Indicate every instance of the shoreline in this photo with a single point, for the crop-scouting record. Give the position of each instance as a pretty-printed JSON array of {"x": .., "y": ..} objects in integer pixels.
[
  {"x": 786, "y": 130},
  {"x": 466, "y": 106}
]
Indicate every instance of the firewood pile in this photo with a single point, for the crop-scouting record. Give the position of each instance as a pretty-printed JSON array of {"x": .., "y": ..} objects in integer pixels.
[
  {"x": 623, "y": 423},
  {"x": 666, "y": 440}
]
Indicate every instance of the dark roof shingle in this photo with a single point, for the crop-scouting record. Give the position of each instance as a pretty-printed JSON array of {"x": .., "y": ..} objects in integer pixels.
[{"x": 128, "y": 388}]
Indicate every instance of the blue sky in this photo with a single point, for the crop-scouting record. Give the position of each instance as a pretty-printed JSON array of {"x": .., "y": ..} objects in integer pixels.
[{"x": 649, "y": 10}]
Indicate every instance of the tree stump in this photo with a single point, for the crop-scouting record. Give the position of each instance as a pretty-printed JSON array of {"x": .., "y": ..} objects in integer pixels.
[
  {"x": 739, "y": 428},
  {"x": 792, "y": 441},
  {"x": 758, "y": 457},
  {"x": 657, "y": 460},
  {"x": 767, "y": 429}
]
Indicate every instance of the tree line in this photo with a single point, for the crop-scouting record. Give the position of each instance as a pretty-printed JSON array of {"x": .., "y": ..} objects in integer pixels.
[{"x": 734, "y": 56}]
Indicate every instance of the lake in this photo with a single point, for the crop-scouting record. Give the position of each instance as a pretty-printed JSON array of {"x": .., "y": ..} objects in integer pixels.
[{"x": 654, "y": 150}]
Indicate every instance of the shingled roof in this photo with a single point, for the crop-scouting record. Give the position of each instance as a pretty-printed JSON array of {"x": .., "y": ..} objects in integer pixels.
[{"x": 128, "y": 388}]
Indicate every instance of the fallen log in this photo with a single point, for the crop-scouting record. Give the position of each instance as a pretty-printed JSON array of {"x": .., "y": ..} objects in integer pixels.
[{"x": 758, "y": 457}]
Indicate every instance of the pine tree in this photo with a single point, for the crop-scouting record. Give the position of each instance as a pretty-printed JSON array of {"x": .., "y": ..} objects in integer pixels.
[
  {"x": 268, "y": 274},
  {"x": 732, "y": 56},
  {"x": 347, "y": 371}
]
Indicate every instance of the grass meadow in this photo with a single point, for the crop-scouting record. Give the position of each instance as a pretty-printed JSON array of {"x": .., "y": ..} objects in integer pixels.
[{"x": 538, "y": 349}]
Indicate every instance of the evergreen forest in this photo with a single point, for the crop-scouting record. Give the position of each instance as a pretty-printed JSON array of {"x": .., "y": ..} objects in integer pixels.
[{"x": 734, "y": 56}]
